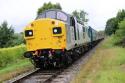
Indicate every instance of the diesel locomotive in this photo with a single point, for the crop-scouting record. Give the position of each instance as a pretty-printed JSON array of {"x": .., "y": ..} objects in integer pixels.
[{"x": 57, "y": 38}]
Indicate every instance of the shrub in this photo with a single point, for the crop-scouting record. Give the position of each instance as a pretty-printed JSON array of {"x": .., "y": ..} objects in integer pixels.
[
  {"x": 120, "y": 34},
  {"x": 11, "y": 55}
]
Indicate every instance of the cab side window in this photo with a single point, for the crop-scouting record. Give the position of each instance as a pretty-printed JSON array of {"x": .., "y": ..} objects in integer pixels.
[
  {"x": 83, "y": 32},
  {"x": 72, "y": 23}
]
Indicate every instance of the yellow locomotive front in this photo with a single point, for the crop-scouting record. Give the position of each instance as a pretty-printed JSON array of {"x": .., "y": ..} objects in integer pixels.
[
  {"x": 46, "y": 38},
  {"x": 45, "y": 33}
]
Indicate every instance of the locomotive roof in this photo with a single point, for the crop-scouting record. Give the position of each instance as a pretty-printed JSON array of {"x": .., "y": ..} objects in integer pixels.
[
  {"x": 55, "y": 14},
  {"x": 57, "y": 10}
]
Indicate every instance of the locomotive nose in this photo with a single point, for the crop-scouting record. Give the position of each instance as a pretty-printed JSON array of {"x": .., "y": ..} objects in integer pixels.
[{"x": 45, "y": 34}]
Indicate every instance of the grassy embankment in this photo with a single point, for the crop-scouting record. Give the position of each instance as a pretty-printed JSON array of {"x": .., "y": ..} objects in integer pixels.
[
  {"x": 12, "y": 62},
  {"x": 107, "y": 65}
]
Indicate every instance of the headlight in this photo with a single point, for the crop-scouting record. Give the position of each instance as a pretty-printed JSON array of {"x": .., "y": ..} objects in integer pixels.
[
  {"x": 28, "y": 33},
  {"x": 57, "y": 30}
]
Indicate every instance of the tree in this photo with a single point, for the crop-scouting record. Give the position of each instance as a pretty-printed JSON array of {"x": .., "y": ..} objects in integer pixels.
[
  {"x": 18, "y": 39},
  {"x": 76, "y": 14},
  {"x": 120, "y": 34},
  {"x": 111, "y": 26},
  {"x": 47, "y": 6},
  {"x": 112, "y": 23},
  {"x": 121, "y": 31},
  {"x": 120, "y": 15},
  {"x": 6, "y": 35},
  {"x": 81, "y": 16}
]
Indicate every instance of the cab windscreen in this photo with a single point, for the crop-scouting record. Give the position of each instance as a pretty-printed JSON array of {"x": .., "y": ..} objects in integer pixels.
[
  {"x": 57, "y": 30},
  {"x": 28, "y": 33}
]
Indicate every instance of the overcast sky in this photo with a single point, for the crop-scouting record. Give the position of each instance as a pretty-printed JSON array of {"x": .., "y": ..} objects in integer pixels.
[{"x": 20, "y": 12}]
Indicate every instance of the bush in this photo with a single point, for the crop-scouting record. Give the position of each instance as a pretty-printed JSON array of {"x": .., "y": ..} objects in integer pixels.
[
  {"x": 11, "y": 55},
  {"x": 6, "y": 35},
  {"x": 18, "y": 39},
  {"x": 120, "y": 34}
]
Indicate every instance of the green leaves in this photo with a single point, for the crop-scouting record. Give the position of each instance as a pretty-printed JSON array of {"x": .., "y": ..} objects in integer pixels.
[
  {"x": 112, "y": 23},
  {"x": 6, "y": 35},
  {"x": 116, "y": 26},
  {"x": 111, "y": 26},
  {"x": 120, "y": 33},
  {"x": 47, "y": 6},
  {"x": 120, "y": 15},
  {"x": 18, "y": 39},
  {"x": 81, "y": 16}
]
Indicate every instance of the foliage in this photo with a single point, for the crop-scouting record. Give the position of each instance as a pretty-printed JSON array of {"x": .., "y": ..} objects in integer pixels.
[
  {"x": 111, "y": 26},
  {"x": 11, "y": 55},
  {"x": 120, "y": 15},
  {"x": 112, "y": 23},
  {"x": 47, "y": 6},
  {"x": 6, "y": 35},
  {"x": 120, "y": 34},
  {"x": 81, "y": 16},
  {"x": 121, "y": 31},
  {"x": 116, "y": 26},
  {"x": 76, "y": 14},
  {"x": 18, "y": 39}
]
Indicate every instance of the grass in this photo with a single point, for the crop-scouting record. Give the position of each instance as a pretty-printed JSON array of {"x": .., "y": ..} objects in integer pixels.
[
  {"x": 11, "y": 55},
  {"x": 12, "y": 62},
  {"x": 15, "y": 69},
  {"x": 107, "y": 65}
]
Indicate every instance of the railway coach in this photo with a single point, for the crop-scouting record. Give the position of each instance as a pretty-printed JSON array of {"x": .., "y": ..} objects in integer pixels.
[{"x": 57, "y": 38}]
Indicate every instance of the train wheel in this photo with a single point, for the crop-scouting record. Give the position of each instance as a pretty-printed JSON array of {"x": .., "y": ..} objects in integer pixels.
[
  {"x": 37, "y": 64},
  {"x": 67, "y": 60}
]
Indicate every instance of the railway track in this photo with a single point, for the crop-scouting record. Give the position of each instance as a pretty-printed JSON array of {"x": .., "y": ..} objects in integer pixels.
[
  {"x": 36, "y": 76},
  {"x": 53, "y": 75}
]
